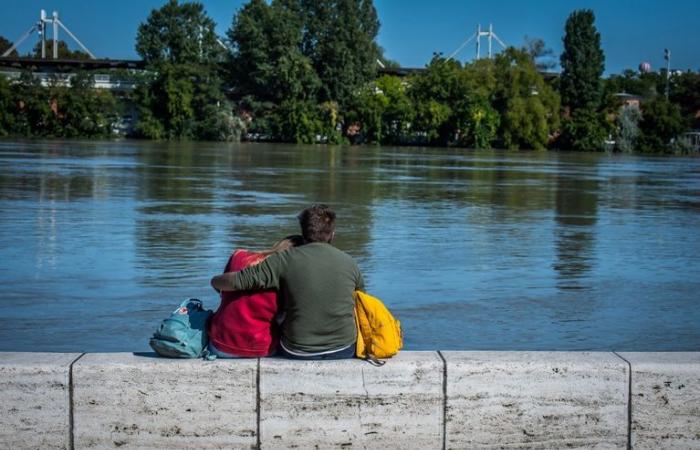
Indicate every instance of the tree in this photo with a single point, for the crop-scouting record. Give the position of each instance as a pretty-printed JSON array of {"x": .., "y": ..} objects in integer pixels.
[
  {"x": 33, "y": 115},
  {"x": 272, "y": 80},
  {"x": 383, "y": 111},
  {"x": 179, "y": 33},
  {"x": 584, "y": 131},
  {"x": 339, "y": 36},
  {"x": 580, "y": 85},
  {"x": 478, "y": 123},
  {"x": 6, "y": 44},
  {"x": 182, "y": 98},
  {"x": 453, "y": 103},
  {"x": 661, "y": 123},
  {"x": 266, "y": 54},
  {"x": 685, "y": 92},
  {"x": 437, "y": 94},
  {"x": 582, "y": 63},
  {"x": 83, "y": 111},
  {"x": 7, "y": 107},
  {"x": 529, "y": 107}
]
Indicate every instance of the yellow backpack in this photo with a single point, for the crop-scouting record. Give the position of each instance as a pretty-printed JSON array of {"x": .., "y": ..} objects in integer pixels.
[{"x": 378, "y": 332}]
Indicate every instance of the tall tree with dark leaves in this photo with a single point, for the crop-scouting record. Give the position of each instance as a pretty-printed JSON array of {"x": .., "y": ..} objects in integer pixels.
[
  {"x": 339, "y": 36},
  {"x": 182, "y": 97},
  {"x": 582, "y": 62},
  {"x": 178, "y": 33},
  {"x": 580, "y": 86},
  {"x": 272, "y": 81}
]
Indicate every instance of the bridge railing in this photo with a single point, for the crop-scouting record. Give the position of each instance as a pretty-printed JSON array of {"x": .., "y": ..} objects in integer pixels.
[{"x": 100, "y": 81}]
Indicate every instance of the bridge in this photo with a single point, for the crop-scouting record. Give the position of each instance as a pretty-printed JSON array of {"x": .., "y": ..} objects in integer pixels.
[
  {"x": 69, "y": 65},
  {"x": 61, "y": 70}
]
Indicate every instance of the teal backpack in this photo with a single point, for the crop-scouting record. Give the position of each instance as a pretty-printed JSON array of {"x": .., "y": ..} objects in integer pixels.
[{"x": 184, "y": 333}]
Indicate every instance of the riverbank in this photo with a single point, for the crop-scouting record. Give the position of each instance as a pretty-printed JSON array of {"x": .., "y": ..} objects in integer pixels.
[{"x": 451, "y": 399}]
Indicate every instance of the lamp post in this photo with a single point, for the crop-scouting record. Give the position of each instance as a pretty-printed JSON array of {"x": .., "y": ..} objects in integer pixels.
[{"x": 667, "y": 57}]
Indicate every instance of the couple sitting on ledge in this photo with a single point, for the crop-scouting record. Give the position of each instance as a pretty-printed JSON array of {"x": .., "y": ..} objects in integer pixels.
[{"x": 294, "y": 300}]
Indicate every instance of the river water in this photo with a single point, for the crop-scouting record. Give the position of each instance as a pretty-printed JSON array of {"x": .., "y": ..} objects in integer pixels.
[{"x": 99, "y": 241}]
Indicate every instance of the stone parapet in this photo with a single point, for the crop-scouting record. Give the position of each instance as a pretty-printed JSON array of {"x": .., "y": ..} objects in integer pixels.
[{"x": 419, "y": 400}]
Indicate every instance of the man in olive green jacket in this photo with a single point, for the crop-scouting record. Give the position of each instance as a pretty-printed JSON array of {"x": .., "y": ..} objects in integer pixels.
[{"x": 316, "y": 282}]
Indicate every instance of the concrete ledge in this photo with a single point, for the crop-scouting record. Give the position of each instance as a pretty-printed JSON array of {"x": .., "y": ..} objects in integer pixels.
[
  {"x": 536, "y": 400},
  {"x": 127, "y": 401},
  {"x": 35, "y": 400},
  {"x": 665, "y": 400},
  {"x": 417, "y": 400},
  {"x": 352, "y": 403}
]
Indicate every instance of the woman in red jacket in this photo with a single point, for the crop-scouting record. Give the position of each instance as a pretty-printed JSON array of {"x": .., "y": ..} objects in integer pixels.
[{"x": 245, "y": 325}]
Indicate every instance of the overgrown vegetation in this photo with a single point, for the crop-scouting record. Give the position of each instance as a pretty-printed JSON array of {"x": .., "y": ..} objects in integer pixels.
[{"x": 306, "y": 71}]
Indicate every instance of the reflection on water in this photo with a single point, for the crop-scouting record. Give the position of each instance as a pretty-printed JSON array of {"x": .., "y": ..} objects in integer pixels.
[
  {"x": 471, "y": 250},
  {"x": 576, "y": 209}
]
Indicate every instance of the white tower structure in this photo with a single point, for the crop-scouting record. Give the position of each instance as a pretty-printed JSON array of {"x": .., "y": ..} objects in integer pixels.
[
  {"x": 40, "y": 28},
  {"x": 490, "y": 35}
]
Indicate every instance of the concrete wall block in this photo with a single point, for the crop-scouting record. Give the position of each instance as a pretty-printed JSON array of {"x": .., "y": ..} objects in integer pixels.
[
  {"x": 536, "y": 400},
  {"x": 128, "y": 401},
  {"x": 665, "y": 400},
  {"x": 34, "y": 400},
  {"x": 352, "y": 404}
]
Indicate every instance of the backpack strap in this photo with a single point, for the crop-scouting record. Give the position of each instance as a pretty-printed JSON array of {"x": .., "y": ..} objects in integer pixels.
[
  {"x": 376, "y": 362},
  {"x": 207, "y": 355}
]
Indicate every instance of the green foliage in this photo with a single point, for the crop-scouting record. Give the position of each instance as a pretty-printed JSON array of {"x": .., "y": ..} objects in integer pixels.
[
  {"x": 297, "y": 121},
  {"x": 383, "y": 110},
  {"x": 633, "y": 82},
  {"x": 178, "y": 33},
  {"x": 267, "y": 57},
  {"x": 32, "y": 110},
  {"x": 478, "y": 123},
  {"x": 339, "y": 36},
  {"x": 585, "y": 130},
  {"x": 220, "y": 124},
  {"x": 685, "y": 92},
  {"x": 582, "y": 63},
  {"x": 580, "y": 84},
  {"x": 34, "y": 115},
  {"x": 270, "y": 75},
  {"x": 6, "y": 107},
  {"x": 85, "y": 111},
  {"x": 529, "y": 107},
  {"x": 661, "y": 123},
  {"x": 291, "y": 54},
  {"x": 436, "y": 94},
  {"x": 182, "y": 97}
]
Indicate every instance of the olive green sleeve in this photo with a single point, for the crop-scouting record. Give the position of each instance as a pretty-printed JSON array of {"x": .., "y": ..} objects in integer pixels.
[{"x": 265, "y": 275}]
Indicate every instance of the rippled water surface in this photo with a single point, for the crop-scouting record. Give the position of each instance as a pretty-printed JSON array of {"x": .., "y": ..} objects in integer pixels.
[{"x": 471, "y": 250}]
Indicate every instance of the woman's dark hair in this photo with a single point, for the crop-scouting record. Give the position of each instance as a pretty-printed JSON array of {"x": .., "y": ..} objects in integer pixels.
[
  {"x": 294, "y": 240},
  {"x": 317, "y": 223}
]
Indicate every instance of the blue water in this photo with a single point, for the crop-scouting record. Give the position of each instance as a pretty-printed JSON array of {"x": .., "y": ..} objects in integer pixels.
[{"x": 471, "y": 250}]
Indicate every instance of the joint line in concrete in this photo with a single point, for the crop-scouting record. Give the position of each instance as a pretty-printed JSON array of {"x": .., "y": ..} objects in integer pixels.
[
  {"x": 444, "y": 400},
  {"x": 71, "y": 423},
  {"x": 629, "y": 401},
  {"x": 257, "y": 406}
]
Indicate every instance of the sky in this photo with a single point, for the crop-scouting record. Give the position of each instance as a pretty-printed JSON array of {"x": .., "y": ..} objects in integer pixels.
[{"x": 632, "y": 31}]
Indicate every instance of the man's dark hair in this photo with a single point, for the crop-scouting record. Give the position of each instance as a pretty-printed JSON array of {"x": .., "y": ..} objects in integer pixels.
[{"x": 317, "y": 223}]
